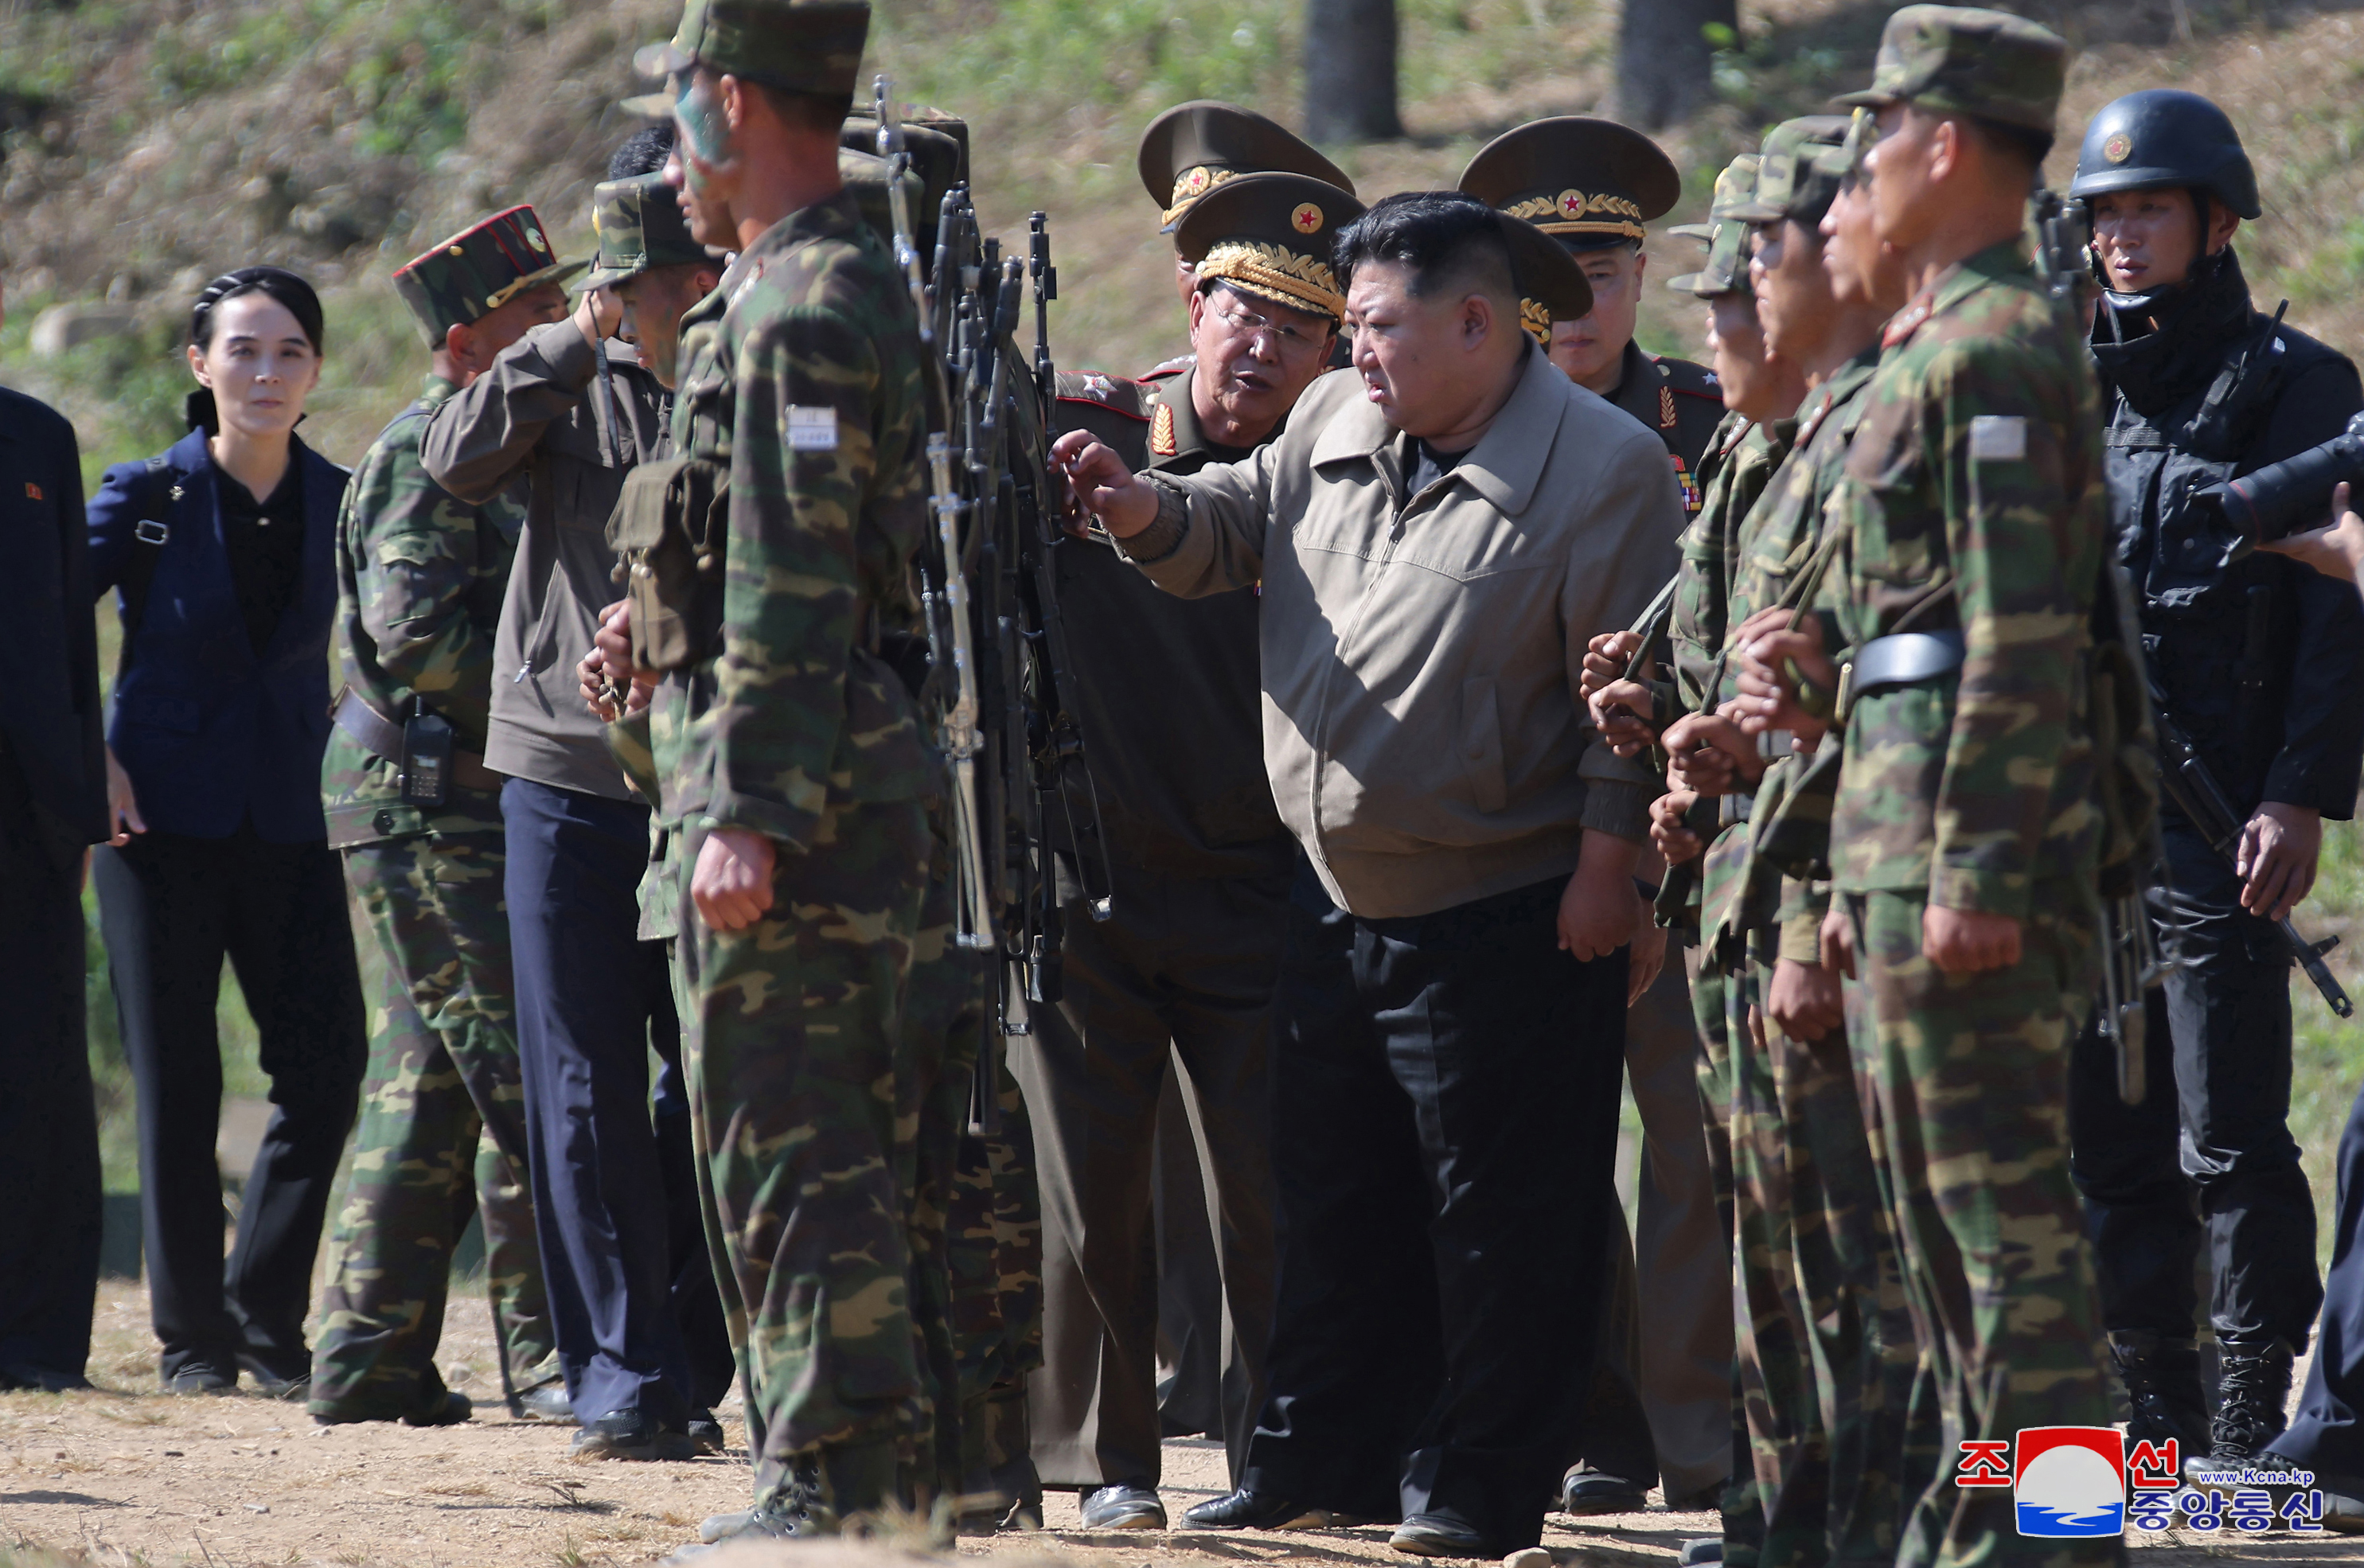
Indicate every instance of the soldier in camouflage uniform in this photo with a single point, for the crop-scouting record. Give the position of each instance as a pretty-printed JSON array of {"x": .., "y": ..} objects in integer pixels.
[
  {"x": 792, "y": 756},
  {"x": 1827, "y": 1350},
  {"x": 1658, "y": 1400},
  {"x": 1762, "y": 389},
  {"x": 420, "y": 578},
  {"x": 1970, "y": 517}
]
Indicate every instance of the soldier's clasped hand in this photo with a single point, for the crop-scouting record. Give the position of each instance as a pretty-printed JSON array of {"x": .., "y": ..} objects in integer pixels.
[
  {"x": 1707, "y": 754},
  {"x": 1674, "y": 841},
  {"x": 1777, "y": 647}
]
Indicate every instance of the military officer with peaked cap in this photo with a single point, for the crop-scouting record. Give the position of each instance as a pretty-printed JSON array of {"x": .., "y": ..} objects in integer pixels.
[
  {"x": 1166, "y": 1003},
  {"x": 1593, "y": 185},
  {"x": 1185, "y": 152},
  {"x": 1195, "y": 147}
]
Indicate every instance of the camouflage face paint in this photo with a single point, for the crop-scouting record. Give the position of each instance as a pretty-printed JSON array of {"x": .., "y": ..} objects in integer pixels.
[{"x": 704, "y": 128}]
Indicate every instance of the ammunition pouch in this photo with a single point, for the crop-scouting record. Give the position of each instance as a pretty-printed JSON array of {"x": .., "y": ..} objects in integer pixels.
[{"x": 671, "y": 526}]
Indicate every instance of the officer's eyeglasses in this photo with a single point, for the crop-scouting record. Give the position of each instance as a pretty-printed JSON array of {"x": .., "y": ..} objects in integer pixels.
[{"x": 1286, "y": 341}]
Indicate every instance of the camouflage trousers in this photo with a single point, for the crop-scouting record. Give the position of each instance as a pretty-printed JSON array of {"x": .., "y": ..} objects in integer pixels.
[
  {"x": 1965, "y": 1081},
  {"x": 442, "y": 1133},
  {"x": 975, "y": 1226},
  {"x": 1827, "y": 1353},
  {"x": 793, "y": 1035},
  {"x": 1743, "y": 1505}
]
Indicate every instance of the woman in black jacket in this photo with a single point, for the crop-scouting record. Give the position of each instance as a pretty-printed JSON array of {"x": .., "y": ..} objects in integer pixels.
[{"x": 221, "y": 552}]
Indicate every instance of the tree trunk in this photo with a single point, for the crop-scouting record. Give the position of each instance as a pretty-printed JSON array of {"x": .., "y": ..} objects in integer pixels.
[
  {"x": 1664, "y": 58},
  {"x": 1350, "y": 71}
]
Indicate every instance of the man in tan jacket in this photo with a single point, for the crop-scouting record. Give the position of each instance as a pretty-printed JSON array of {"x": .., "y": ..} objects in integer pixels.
[{"x": 1437, "y": 533}]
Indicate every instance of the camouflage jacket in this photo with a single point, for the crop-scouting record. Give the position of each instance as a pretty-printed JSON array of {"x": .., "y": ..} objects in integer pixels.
[
  {"x": 1974, "y": 497},
  {"x": 800, "y": 376},
  {"x": 1774, "y": 546},
  {"x": 420, "y": 575},
  {"x": 1740, "y": 461}
]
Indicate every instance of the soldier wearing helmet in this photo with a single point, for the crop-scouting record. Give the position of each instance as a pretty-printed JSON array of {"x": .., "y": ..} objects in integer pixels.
[{"x": 2257, "y": 660}]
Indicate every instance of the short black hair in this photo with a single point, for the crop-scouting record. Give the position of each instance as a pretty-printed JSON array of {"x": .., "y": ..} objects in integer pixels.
[
  {"x": 643, "y": 153},
  {"x": 1444, "y": 238},
  {"x": 277, "y": 281}
]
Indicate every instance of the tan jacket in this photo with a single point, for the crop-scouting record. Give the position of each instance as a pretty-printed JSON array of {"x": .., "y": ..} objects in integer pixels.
[{"x": 1421, "y": 727}]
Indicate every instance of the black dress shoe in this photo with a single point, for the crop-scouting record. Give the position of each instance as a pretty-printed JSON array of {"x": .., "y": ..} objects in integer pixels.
[
  {"x": 704, "y": 1432},
  {"x": 41, "y": 1379},
  {"x": 629, "y": 1434},
  {"x": 1256, "y": 1511},
  {"x": 1438, "y": 1535},
  {"x": 1586, "y": 1493},
  {"x": 1706, "y": 1548},
  {"x": 201, "y": 1377},
  {"x": 543, "y": 1402},
  {"x": 1127, "y": 1505}
]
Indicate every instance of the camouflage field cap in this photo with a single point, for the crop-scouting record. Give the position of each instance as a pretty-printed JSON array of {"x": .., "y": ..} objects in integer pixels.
[
  {"x": 1270, "y": 236},
  {"x": 640, "y": 226},
  {"x": 1587, "y": 182},
  {"x": 1963, "y": 60},
  {"x": 1192, "y": 148},
  {"x": 479, "y": 270},
  {"x": 1805, "y": 161},
  {"x": 1725, "y": 271},
  {"x": 814, "y": 46},
  {"x": 1552, "y": 286}
]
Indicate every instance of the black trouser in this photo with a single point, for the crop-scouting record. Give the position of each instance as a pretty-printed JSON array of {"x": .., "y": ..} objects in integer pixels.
[
  {"x": 1178, "y": 983},
  {"x": 48, "y": 1128},
  {"x": 2327, "y": 1434},
  {"x": 592, "y": 999},
  {"x": 2215, "y": 1127},
  {"x": 1445, "y": 1133},
  {"x": 170, "y": 909}
]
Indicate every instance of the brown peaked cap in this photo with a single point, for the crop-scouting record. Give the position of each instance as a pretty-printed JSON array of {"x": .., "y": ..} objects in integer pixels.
[{"x": 1192, "y": 148}]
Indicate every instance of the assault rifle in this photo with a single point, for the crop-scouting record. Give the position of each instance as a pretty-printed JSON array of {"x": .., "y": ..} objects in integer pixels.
[
  {"x": 2205, "y": 805},
  {"x": 1001, "y": 686}
]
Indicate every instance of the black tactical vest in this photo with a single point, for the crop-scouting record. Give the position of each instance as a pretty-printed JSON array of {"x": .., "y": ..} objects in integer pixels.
[{"x": 2219, "y": 639}]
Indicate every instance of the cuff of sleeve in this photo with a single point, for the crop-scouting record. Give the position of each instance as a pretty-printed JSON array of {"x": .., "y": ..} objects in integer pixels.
[
  {"x": 572, "y": 359},
  {"x": 1163, "y": 537},
  {"x": 1801, "y": 940},
  {"x": 787, "y": 824},
  {"x": 1976, "y": 892},
  {"x": 2292, "y": 782},
  {"x": 1615, "y": 808}
]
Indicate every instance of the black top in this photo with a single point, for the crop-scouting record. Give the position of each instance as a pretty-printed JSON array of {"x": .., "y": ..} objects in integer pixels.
[
  {"x": 264, "y": 541},
  {"x": 1171, "y": 701}
]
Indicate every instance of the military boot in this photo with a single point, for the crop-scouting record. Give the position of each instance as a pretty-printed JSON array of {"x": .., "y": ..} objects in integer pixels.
[
  {"x": 858, "y": 1488},
  {"x": 2252, "y": 1392},
  {"x": 2164, "y": 1401}
]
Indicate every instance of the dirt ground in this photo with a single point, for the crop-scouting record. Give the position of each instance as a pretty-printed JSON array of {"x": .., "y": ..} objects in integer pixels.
[{"x": 131, "y": 1478}]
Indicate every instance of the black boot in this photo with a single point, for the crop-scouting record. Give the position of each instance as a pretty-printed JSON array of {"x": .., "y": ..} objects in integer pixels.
[
  {"x": 2252, "y": 1392},
  {"x": 2162, "y": 1383}
]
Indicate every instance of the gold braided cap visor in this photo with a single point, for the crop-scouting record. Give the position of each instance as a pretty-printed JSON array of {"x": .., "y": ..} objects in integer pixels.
[
  {"x": 1537, "y": 321},
  {"x": 1192, "y": 183},
  {"x": 1301, "y": 282},
  {"x": 1570, "y": 213}
]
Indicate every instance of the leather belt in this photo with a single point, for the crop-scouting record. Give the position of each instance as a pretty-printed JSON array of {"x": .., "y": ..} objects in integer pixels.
[
  {"x": 1904, "y": 658},
  {"x": 384, "y": 737}
]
